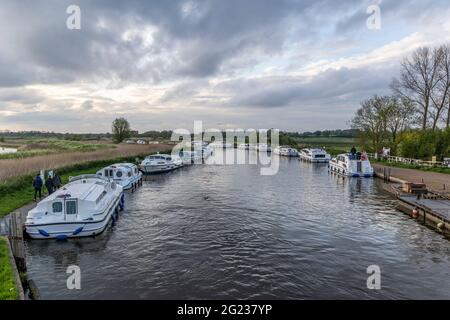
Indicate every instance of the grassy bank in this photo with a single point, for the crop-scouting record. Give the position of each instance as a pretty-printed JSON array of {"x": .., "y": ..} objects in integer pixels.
[
  {"x": 333, "y": 145},
  {"x": 412, "y": 166},
  {"x": 18, "y": 192},
  {"x": 8, "y": 290}
]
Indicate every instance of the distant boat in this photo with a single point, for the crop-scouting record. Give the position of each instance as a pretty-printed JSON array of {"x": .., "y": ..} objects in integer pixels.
[
  {"x": 125, "y": 174},
  {"x": 352, "y": 165},
  {"x": 191, "y": 157},
  {"x": 221, "y": 145},
  {"x": 314, "y": 155},
  {"x": 7, "y": 150},
  {"x": 82, "y": 208},
  {"x": 263, "y": 147},
  {"x": 244, "y": 146},
  {"x": 159, "y": 163},
  {"x": 286, "y": 151}
]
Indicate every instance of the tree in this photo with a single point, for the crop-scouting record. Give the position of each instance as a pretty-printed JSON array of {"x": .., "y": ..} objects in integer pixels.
[
  {"x": 372, "y": 120},
  {"x": 440, "y": 96},
  {"x": 120, "y": 130},
  {"x": 400, "y": 115},
  {"x": 419, "y": 78}
]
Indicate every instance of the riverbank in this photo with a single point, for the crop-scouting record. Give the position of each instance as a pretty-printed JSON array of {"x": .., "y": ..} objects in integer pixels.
[
  {"x": 8, "y": 289},
  {"x": 439, "y": 182},
  {"x": 18, "y": 192}
]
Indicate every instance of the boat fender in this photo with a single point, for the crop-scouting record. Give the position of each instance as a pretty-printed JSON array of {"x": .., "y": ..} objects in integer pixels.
[
  {"x": 440, "y": 225},
  {"x": 122, "y": 199},
  {"x": 121, "y": 206},
  {"x": 77, "y": 231},
  {"x": 415, "y": 214},
  {"x": 61, "y": 237},
  {"x": 44, "y": 233}
]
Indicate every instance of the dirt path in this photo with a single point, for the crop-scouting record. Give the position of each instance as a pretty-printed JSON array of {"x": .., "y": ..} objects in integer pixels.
[
  {"x": 10, "y": 168},
  {"x": 433, "y": 180}
]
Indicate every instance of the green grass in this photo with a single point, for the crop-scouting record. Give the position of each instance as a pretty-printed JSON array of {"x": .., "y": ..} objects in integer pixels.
[
  {"x": 18, "y": 192},
  {"x": 412, "y": 166},
  {"x": 8, "y": 290},
  {"x": 333, "y": 145}
]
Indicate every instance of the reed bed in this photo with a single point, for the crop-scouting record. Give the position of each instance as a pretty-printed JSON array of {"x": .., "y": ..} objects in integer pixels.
[{"x": 11, "y": 168}]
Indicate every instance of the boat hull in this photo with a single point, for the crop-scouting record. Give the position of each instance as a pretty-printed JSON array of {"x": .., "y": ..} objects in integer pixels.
[
  {"x": 73, "y": 229},
  {"x": 132, "y": 182},
  {"x": 314, "y": 160},
  {"x": 155, "y": 169},
  {"x": 341, "y": 171}
]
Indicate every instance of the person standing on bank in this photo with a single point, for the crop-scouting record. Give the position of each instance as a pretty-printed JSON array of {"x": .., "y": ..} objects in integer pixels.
[
  {"x": 56, "y": 181},
  {"x": 49, "y": 185},
  {"x": 37, "y": 184}
]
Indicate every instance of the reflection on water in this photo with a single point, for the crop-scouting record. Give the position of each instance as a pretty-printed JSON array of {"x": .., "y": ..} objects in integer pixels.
[{"x": 210, "y": 231}]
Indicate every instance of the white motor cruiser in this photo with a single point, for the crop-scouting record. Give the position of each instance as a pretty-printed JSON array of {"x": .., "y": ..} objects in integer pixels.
[
  {"x": 159, "y": 163},
  {"x": 82, "y": 208},
  {"x": 125, "y": 174},
  {"x": 191, "y": 157},
  {"x": 314, "y": 155},
  {"x": 352, "y": 165},
  {"x": 286, "y": 151},
  {"x": 263, "y": 147}
]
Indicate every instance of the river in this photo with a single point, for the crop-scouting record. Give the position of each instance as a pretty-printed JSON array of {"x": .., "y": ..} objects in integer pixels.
[{"x": 227, "y": 232}]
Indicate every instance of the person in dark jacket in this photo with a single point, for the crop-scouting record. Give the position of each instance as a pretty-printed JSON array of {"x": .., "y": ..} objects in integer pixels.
[
  {"x": 56, "y": 181},
  {"x": 37, "y": 184},
  {"x": 49, "y": 185}
]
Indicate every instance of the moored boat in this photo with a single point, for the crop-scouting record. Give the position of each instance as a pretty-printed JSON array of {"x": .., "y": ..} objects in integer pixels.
[
  {"x": 285, "y": 151},
  {"x": 82, "y": 208},
  {"x": 352, "y": 165},
  {"x": 314, "y": 155},
  {"x": 263, "y": 147},
  {"x": 125, "y": 174},
  {"x": 159, "y": 163}
]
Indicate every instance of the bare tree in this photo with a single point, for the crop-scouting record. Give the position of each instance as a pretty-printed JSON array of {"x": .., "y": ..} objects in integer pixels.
[
  {"x": 440, "y": 96},
  {"x": 419, "y": 78},
  {"x": 400, "y": 114}
]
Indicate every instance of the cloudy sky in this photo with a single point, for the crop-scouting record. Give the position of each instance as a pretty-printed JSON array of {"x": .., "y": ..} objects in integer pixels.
[{"x": 290, "y": 64}]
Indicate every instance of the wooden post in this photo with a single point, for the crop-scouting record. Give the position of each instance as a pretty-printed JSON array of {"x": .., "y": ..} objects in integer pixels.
[{"x": 16, "y": 240}]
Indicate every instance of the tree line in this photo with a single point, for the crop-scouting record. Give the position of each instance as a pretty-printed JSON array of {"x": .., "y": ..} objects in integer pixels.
[{"x": 417, "y": 110}]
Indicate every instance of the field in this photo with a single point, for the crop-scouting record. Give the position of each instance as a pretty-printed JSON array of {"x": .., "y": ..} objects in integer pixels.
[
  {"x": 8, "y": 289},
  {"x": 334, "y": 145},
  {"x": 38, "y": 147}
]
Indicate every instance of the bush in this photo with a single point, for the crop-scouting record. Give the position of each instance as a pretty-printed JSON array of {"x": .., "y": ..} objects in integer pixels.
[{"x": 425, "y": 144}]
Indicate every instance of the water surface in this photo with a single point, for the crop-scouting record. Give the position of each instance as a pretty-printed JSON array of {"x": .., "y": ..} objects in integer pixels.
[{"x": 226, "y": 232}]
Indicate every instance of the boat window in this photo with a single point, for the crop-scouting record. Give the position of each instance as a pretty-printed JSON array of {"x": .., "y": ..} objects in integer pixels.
[
  {"x": 57, "y": 207},
  {"x": 71, "y": 207},
  {"x": 119, "y": 174}
]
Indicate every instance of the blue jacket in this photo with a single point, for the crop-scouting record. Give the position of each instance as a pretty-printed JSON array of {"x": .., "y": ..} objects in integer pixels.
[{"x": 37, "y": 182}]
